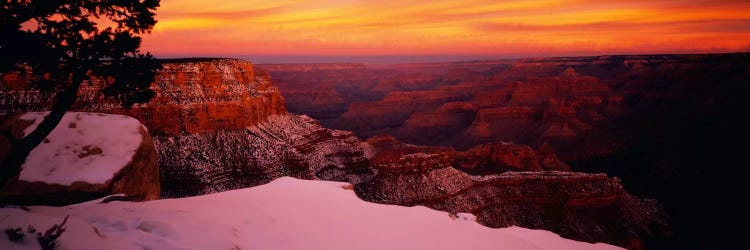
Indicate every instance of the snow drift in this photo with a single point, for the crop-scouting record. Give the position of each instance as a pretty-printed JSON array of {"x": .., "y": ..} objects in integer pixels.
[{"x": 285, "y": 214}]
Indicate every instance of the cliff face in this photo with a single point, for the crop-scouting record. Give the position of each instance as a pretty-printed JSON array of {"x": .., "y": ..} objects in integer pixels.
[
  {"x": 505, "y": 184},
  {"x": 206, "y": 96},
  {"x": 191, "y": 97},
  {"x": 284, "y": 145},
  {"x": 589, "y": 207}
]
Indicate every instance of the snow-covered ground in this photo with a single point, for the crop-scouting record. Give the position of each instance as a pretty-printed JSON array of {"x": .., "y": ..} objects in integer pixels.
[
  {"x": 82, "y": 148},
  {"x": 284, "y": 214}
]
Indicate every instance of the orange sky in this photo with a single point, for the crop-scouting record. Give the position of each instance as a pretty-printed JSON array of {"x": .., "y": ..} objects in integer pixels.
[{"x": 448, "y": 27}]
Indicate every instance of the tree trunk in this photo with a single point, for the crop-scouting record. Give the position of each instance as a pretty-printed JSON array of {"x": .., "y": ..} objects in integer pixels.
[{"x": 21, "y": 149}]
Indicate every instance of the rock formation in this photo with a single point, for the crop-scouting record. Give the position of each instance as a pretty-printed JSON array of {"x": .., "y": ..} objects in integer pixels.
[
  {"x": 81, "y": 161},
  {"x": 219, "y": 124},
  {"x": 284, "y": 145},
  {"x": 193, "y": 96},
  {"x": 589, "y": 207}
]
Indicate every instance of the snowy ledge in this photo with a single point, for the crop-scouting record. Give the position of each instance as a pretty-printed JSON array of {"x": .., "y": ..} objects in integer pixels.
[
  {"x": 82, "y": 148},
  {"x": 285, "y": 214}
]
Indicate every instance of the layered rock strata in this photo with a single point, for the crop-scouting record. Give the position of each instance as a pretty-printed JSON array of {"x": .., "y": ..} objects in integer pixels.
[{"x": 589, "y": 207}]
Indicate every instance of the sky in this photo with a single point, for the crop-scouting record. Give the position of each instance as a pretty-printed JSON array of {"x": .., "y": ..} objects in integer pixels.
[{"x": 430, "y": 29}]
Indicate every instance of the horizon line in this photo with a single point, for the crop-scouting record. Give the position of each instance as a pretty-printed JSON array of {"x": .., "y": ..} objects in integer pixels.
[{"x": 411, "y": 59}]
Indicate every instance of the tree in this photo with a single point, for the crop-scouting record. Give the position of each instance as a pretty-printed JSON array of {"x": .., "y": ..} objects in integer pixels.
[{"x": 67, "y": 42}]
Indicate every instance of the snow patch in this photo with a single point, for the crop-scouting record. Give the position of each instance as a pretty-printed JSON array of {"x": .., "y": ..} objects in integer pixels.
[
  {"x": 284, "y": 214},
  {"x": 87, "y": 147}
]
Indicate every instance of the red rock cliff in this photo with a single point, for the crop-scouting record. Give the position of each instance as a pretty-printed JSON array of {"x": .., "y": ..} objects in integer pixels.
[
  {"x": 204, "y": 96},
  {"x": 192, "y": 96}
]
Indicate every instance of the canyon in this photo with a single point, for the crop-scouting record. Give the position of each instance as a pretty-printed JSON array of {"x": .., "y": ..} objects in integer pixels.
[
  {"x": 499, "y": 139},
  {"x": 668, "y": 126},
  {"x": 576, "y": 105}
]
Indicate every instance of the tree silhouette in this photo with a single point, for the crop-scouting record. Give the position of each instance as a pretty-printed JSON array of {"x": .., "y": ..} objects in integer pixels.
[{"x": 67, "y": 42}]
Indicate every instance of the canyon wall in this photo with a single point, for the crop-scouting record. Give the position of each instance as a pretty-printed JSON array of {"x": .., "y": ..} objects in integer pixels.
[
  {"x": 587, "y": 207},
  {"x": 191, "y": 97},
  {"x": 284, "y": 145}
]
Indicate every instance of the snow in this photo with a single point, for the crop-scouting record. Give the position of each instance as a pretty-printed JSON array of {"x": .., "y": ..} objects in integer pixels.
[
  {"x": 285, "y": 214},
  {"x": 87, "y": 147}
]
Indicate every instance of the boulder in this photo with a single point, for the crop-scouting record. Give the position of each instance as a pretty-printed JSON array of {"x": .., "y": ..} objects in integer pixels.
[{"x": 87, "y": 156}]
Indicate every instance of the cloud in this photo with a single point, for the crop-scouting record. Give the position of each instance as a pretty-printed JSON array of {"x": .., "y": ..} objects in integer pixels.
[
  {"x": 227, "y": 15},
  {"x": 439, "y": 26},
  {"x": 669, "y": 27}
]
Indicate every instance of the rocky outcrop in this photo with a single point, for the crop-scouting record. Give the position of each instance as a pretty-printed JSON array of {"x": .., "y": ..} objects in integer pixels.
[
  {"x": 589, "y": 207},
  {"x": 80, "y": 168},
  {"x": 285, "y": 145}
]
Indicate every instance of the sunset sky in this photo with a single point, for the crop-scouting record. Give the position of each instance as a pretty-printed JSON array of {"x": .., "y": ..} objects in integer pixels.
[{"x": 448, "y": 27}]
